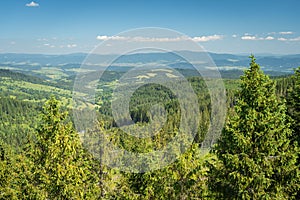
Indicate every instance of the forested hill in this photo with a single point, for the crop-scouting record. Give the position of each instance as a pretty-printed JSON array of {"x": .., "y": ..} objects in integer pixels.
[
  {"x": 18, "y": 76},
  {"x": 43, "y": 157}
]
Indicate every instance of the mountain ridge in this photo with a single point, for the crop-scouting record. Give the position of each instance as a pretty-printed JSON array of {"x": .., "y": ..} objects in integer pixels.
[{"x": 224, "y": 61}]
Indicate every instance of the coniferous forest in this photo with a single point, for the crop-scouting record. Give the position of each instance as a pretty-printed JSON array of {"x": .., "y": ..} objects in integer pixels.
[{"x": 44, "y": 156}]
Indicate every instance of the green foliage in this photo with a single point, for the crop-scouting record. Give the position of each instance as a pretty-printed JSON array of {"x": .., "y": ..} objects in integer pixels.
[
  {"x": 6, "y": 172},
  {"x": 255, "y": 159},
  {"x": 111, "y": 181},
  {"x": 17, "y": 120},
  {"x": 63, "y": 169},
  {"x": 183, "y": 179},
  {"x": 17, "y": 176},
  {"x": 293, "y": 104}
]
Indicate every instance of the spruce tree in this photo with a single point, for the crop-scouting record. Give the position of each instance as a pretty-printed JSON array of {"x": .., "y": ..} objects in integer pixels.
[
  {"x": 63, "y": 169},
  {"x": 254, "y": 156},
  {"x": 293, "y": 105}
]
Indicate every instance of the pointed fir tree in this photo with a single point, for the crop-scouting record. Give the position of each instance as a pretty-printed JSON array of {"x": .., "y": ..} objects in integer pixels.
[
  {"x": 255, "y": 159},
  {"x": 293, "y": 105},
  {"x": 63, "y": 168}
]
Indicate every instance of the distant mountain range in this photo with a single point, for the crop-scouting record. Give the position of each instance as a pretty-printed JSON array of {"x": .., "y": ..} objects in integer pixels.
[{"x": 277, "y": 64}]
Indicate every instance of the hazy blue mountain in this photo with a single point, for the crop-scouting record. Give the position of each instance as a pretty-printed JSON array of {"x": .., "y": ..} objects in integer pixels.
[{"x": 69, "y": 63}]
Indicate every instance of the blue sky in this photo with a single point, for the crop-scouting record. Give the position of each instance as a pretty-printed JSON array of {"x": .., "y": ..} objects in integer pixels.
[{"x": 230, "y": 26}]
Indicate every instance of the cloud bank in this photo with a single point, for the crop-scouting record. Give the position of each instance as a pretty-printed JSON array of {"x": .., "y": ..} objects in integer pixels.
[{"x": 160, "y": 39}]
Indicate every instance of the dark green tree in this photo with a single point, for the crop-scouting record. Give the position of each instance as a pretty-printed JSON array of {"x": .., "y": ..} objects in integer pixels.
[
  {"x": 254, "y": 156},
  {"x": 293, "y": 104}
]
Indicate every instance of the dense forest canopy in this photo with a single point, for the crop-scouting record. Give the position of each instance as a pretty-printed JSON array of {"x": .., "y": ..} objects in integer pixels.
[{"x": 42, "y": 156}]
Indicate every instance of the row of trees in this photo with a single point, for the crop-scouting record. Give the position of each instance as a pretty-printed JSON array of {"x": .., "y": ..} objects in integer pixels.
[{"x": 257, "y": 156}]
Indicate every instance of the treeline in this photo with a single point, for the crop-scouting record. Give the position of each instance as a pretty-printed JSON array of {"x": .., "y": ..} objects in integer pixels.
[
  {"x": 256, "y": 157},
  {"x": 18, "y": 76},
  {"x": 17, "y": 119}
]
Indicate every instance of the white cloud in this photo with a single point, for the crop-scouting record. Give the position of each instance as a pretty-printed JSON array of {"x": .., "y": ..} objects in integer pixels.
[
  {"x": 138, "y": 38},
  {"x": 248, "y": 37},
  {"x": 72, "y": 45},
  {"x": 165, "y": 39},
  {"x": 295, "y": 39},
  {"x": 161, "y": 39},
  {"x": 49, "y": 45},
  {"x": 234, "y": 36},
  {"x": 32, "y": 4},
  {"x": 282, "y": 39},
  {"x": 286, "y": 33},
  {"x": 251, "y": 37},
  {"x": 207, "y": 38},
  {"x": 105, "y": 37},
  {"x": 269, "y": 38}
]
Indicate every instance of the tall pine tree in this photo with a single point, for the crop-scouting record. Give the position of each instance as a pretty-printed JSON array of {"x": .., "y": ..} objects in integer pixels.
[{"x": 254, "y": 157}]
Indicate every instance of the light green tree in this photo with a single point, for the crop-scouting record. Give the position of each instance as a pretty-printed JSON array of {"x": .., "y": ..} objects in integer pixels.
[
  {"x": 63, "y": 169},
  {"x": 6, "y": 172},
  {"x": 183, "y": 179}
]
